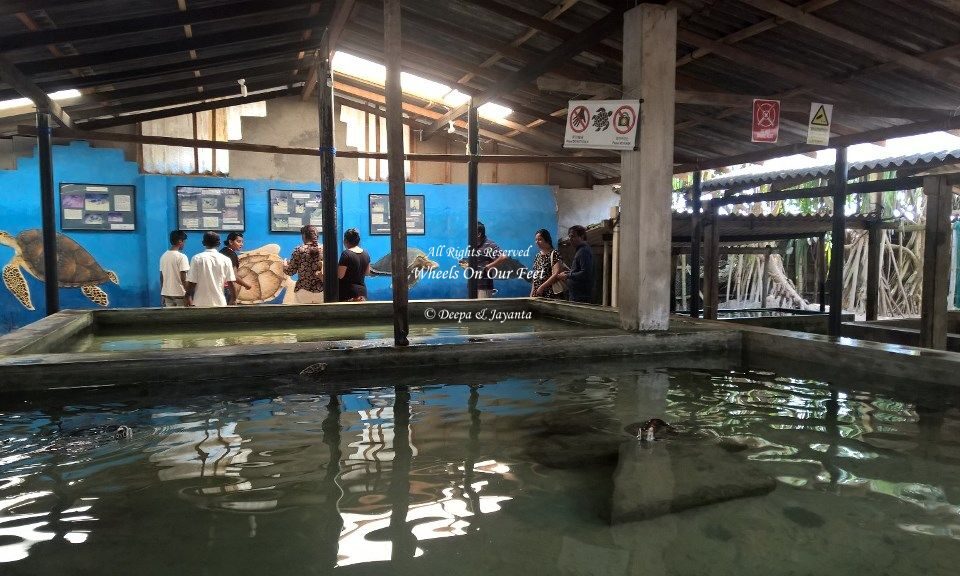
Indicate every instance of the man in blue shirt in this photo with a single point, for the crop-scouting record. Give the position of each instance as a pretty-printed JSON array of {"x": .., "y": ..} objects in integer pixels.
[{"x": 580, "y": 276}]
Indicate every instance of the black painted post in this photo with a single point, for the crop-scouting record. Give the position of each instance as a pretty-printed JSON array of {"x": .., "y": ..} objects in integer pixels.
[
  {"x": 328, "y": 186},
  {"x": 473, "y": 150},
  {"x": 837, "y": 238},
  {"x": 396, "y": 176},
  {"x": 696, "y": 234},
  {"x": 822, "y": 272},
  {"x": 48, "y": 203}
]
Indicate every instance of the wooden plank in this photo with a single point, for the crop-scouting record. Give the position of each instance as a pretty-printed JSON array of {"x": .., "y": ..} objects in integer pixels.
[
  {"x": 178, "y": 110},
  {"x": 854, "y": 40},
  {"x": 599, "y": 89},
  {"x": 19, "y": 81},
  {"x": 837, "y": 241},
  {"x": 146, "y": 51},
  {"x": 122, "y": 25},
  {"x": 341, "y": 14},
  {"x": 936, "y": 263},
  {"x": 530, "y": 72},
  {"x": 875, "y": 235},
  {"x": 711, "y": 265},
  {"x": 750, "y": 31},
  {"x": 397, "y": 186}
]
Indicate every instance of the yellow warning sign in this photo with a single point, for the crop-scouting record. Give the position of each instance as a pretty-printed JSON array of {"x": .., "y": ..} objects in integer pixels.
[{"x": 820, "y": 117}]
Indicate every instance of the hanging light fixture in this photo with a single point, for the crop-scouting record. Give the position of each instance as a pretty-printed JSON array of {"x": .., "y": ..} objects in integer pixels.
[{"x": 243, "y": 87}]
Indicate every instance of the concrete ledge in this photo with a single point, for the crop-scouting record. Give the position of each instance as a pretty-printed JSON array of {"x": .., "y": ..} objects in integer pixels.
[
  {"x": 815, "y": 323},
  {"x": 47, "y": 333},
  {"x": 577, "y": 312},
  {"x": 903, "y": 332},
  {"x": 59, "y": 371}
]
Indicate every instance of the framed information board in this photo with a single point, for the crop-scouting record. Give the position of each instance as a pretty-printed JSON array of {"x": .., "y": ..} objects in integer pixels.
[
  {"x": 291, "y": 210},
  {"x": 380, "y": 215},
  {"x": 97, "y": 207},
  {"x": 210, "y": 208}
]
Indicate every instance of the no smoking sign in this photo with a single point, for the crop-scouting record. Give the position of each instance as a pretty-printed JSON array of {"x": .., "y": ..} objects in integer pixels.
[{"x": 766, "y": 121}]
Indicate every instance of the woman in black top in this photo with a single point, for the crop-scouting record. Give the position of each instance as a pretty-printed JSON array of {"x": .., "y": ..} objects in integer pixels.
[{"x": 354, "y": 264}]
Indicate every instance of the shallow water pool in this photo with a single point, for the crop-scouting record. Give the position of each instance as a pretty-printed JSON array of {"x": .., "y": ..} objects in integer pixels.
[
  {"x": 481, "y": 474},
  {"x": 130, "y": 339}
]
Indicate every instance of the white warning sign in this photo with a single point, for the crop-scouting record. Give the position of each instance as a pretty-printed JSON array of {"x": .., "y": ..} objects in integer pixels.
[
  {"x": 602, "y": 124},
  {"x": 818, "y": 128}
]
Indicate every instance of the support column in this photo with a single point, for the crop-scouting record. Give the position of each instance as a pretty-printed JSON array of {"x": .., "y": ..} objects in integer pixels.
[
  {"x": 711, "y": 265},
  {"x": 821, "y": 272},
  {"x": 765, "y": 279},
  {"x": 649, "y": 65},
  {"x": 838, "y": 237},
  {"x": 473, "y": 177},
  {"x": 606, "y": 269},
  {"x": 395, "y": 156},
  {"x": 51, "y": 276},
  {"x": 328, "y": 185},
  {"x": 936, "y": 263},
  {"x": 874, "y": 238},
  {"x": 696, "y": 238}
]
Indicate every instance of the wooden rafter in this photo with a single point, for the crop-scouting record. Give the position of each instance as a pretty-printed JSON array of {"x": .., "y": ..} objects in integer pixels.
[{"x": 588, "y": 37}]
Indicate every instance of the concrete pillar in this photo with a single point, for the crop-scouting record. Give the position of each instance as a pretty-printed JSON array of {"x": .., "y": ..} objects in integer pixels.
[
  {"x": 649, "y": 61},
  {"x": 936, "y": 263}
]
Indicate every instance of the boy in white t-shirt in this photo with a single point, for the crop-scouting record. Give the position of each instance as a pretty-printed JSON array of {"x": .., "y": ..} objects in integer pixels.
[
  {"x": 173, "y": 272},
  {"x": 209, "y": 271}
]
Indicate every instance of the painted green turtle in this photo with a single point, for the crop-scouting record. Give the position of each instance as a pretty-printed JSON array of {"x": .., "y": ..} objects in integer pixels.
[
  {"x": 76, "y": 268},
  {"x": 416, "y": 260}
]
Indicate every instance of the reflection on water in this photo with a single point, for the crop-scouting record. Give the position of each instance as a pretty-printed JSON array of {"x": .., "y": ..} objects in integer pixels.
[
  {"x": 131, "y": 340},
  {"x": 504, "y": 473}
]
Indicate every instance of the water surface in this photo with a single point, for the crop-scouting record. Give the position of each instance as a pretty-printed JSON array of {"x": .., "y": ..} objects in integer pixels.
[{"x": 465, "y": 474}]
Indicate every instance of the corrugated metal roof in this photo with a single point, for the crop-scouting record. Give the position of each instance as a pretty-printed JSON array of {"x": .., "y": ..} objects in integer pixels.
[{"x": 922, "y": 160}]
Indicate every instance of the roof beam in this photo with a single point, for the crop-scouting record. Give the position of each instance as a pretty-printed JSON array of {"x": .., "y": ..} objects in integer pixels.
[
  {"x": 854, "y": 40},
  {"x": 97, "y": 124},
  {"x": 167, "y": 101},
  {"x": 341, "y": 14},
  {"x": 588, "y": 37},
  {"x": 157, "y": 49},
  {"x": 16, "y": 79},
  {"x": 545, "y": 24},
  {"x": 142, "y": 24},
  {"x": 192, "y": 82},
  {"x": 767, "y": 65},
  {"x": 749, "y": 31}
]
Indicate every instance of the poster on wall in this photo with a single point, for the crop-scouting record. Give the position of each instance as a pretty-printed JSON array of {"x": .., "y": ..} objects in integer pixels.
[
  {"x": 380, "y": 215},
  {"x": 200, "y": 208},
  {"x": 291, "y": 210},
  {"x": 97, "y": 207}
]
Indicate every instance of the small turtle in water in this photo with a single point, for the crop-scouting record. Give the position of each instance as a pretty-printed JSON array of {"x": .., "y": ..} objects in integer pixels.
[
  {"x": 417, "y": 260},
  {"x": 654, "y": 429},
  {"x": 76, "y": 268},
  {"x": 262, "y": 269},
  {"x": 509, "y": 269}
]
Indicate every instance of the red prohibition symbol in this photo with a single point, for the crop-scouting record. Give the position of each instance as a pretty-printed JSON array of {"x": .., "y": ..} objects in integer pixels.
[
  {"x": 624, "y": 119},
  {"x": 579, "y": 119}
]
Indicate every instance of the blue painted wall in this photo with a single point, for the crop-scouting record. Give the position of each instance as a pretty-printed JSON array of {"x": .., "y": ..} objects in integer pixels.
[{"x": 512, "y": 213}]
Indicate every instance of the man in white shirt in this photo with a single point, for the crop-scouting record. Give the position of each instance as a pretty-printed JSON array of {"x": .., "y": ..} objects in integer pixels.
[
  {"x": 173, "y": 272},
  {"x": 209, "y": 271}
]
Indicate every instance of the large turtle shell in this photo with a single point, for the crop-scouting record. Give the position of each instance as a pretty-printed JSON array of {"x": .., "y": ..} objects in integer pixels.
[
  {"x": 264, "y": 272},
  {"x": 75, "y": 266}
]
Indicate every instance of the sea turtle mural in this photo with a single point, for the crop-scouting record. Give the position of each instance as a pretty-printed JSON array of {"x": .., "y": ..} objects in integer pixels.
[
  {"x": 509, "y": 269},
  {"x": 417, "y": 260},
  {"x": 262, "y": 269},
  {"x": 76, "y": 268}
]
